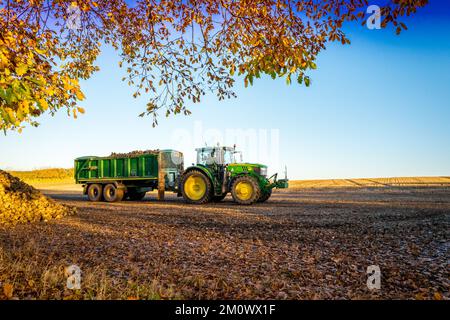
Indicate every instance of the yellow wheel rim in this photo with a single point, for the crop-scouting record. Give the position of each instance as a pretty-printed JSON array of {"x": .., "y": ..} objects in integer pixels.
[
  {"x": 195, "y": 187},
  {"x": 244, "y": 190}
]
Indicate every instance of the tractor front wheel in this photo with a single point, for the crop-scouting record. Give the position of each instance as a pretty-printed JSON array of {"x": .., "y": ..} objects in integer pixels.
[
  {"x": 245, "y": 190},
  {"x": 196, "y": 188}
]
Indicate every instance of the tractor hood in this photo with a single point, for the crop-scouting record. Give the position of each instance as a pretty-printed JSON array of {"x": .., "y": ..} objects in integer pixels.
[
  {"x": 248, "y": 165},
  {"x": 257, "y": 168}
]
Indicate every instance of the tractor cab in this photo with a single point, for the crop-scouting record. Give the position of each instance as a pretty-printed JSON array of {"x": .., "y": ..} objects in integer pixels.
[{"x": 217, "y": 156}]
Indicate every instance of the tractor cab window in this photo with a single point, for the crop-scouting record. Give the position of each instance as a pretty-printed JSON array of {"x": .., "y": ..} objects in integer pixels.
[
  {"x": 232, "y": 156},
  {"x": 207, "y": 156},
  {"x": 228, "y": 157},
  {"x": 219, "y": 155}
]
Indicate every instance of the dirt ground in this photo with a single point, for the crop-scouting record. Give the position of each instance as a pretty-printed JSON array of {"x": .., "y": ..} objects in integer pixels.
[{"x": 301, "y": 244}]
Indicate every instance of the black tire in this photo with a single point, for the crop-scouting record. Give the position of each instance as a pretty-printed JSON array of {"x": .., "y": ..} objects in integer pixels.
[
  {"x": 219, "y": 198},
  {"x": 94, "y": 192},
  {"x": 112, "y": 194},
  {"x": 136, "y": 196},
  {"x": 265, "y": 196},
  {"x": 207, "y": 196},
  {"x": 254, "y": 195}
]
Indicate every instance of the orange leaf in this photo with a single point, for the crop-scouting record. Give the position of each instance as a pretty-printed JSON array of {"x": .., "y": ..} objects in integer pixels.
[
  {"x": 437, "y": 296},
  {"x": 8, "y": 290}
]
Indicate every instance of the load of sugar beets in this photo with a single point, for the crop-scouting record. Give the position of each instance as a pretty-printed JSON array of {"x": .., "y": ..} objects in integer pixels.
[
  {"x": 218, "y": 172},
  {"x": 21, "y": 203}
]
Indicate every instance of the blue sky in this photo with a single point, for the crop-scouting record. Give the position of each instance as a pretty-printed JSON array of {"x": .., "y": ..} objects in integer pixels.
[{"x": 377, "y": 108}]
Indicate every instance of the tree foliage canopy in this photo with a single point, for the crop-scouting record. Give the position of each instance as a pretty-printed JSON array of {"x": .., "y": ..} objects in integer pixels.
[{"x": 172, "y": 51}]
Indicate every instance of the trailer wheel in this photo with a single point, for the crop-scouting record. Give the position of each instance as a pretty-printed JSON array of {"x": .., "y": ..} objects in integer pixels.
[
  {"x": 112, "y": 194},
  {"x": 196, "y": 187},
  {"x": 245, "y": 190},
  {"x": 94, "y": 192},
  {"x": 265, "y": 196}
]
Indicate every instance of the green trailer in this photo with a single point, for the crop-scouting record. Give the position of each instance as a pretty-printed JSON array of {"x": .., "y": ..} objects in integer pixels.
[{"x": 129, "y": 176}]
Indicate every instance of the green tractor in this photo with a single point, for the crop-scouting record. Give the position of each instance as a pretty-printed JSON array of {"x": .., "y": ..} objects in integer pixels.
[{"x": 217, "y": 173}]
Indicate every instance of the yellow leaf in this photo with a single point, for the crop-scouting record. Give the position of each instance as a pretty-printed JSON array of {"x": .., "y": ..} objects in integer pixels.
[
  {"x": 43, "y": 104},
  {"x": 80, "y": 110},
  {"x": 66, "y": 85},
  {"x": 26, "y": 106},
  {"x": 21, "y": 69},
  {"x": 40, "y": 51},
  {"x": 80, "y": 95}
]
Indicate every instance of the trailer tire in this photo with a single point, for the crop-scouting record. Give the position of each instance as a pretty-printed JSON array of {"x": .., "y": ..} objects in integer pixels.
[
  {"x": 94, "y": 192},
  {"x": 245, "y": 190},
  {"x": 112, "y": 194},
  {"x": 196, "y": 187}
]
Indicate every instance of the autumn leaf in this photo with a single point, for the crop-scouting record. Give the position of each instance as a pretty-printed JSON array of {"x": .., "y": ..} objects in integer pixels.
[
  {"x": 437, "y": 296},
  {"x": 8, "y": 290},
  {"x": 21, "y": 69},
  {"x": 80, "y": 95}
]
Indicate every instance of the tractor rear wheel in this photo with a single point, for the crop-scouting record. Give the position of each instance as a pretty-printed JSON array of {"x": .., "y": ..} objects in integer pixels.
[
  {"x": 265, "y": 196},
  {"x": 112, "y": 194},
  {"x": 245, "y": 190},
  {"x": 94, "y": 192},
  {"x": 196, "y": 187}
]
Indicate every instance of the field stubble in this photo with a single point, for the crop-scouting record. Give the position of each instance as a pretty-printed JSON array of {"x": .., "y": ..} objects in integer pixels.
[{"x": 304, "y": 243}]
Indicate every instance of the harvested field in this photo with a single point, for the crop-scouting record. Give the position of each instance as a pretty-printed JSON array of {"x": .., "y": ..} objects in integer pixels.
[
  {"x": 373, "y": 182},
  {"x": 301, "y": 244},
  {"x": 55, "y": 176}
]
